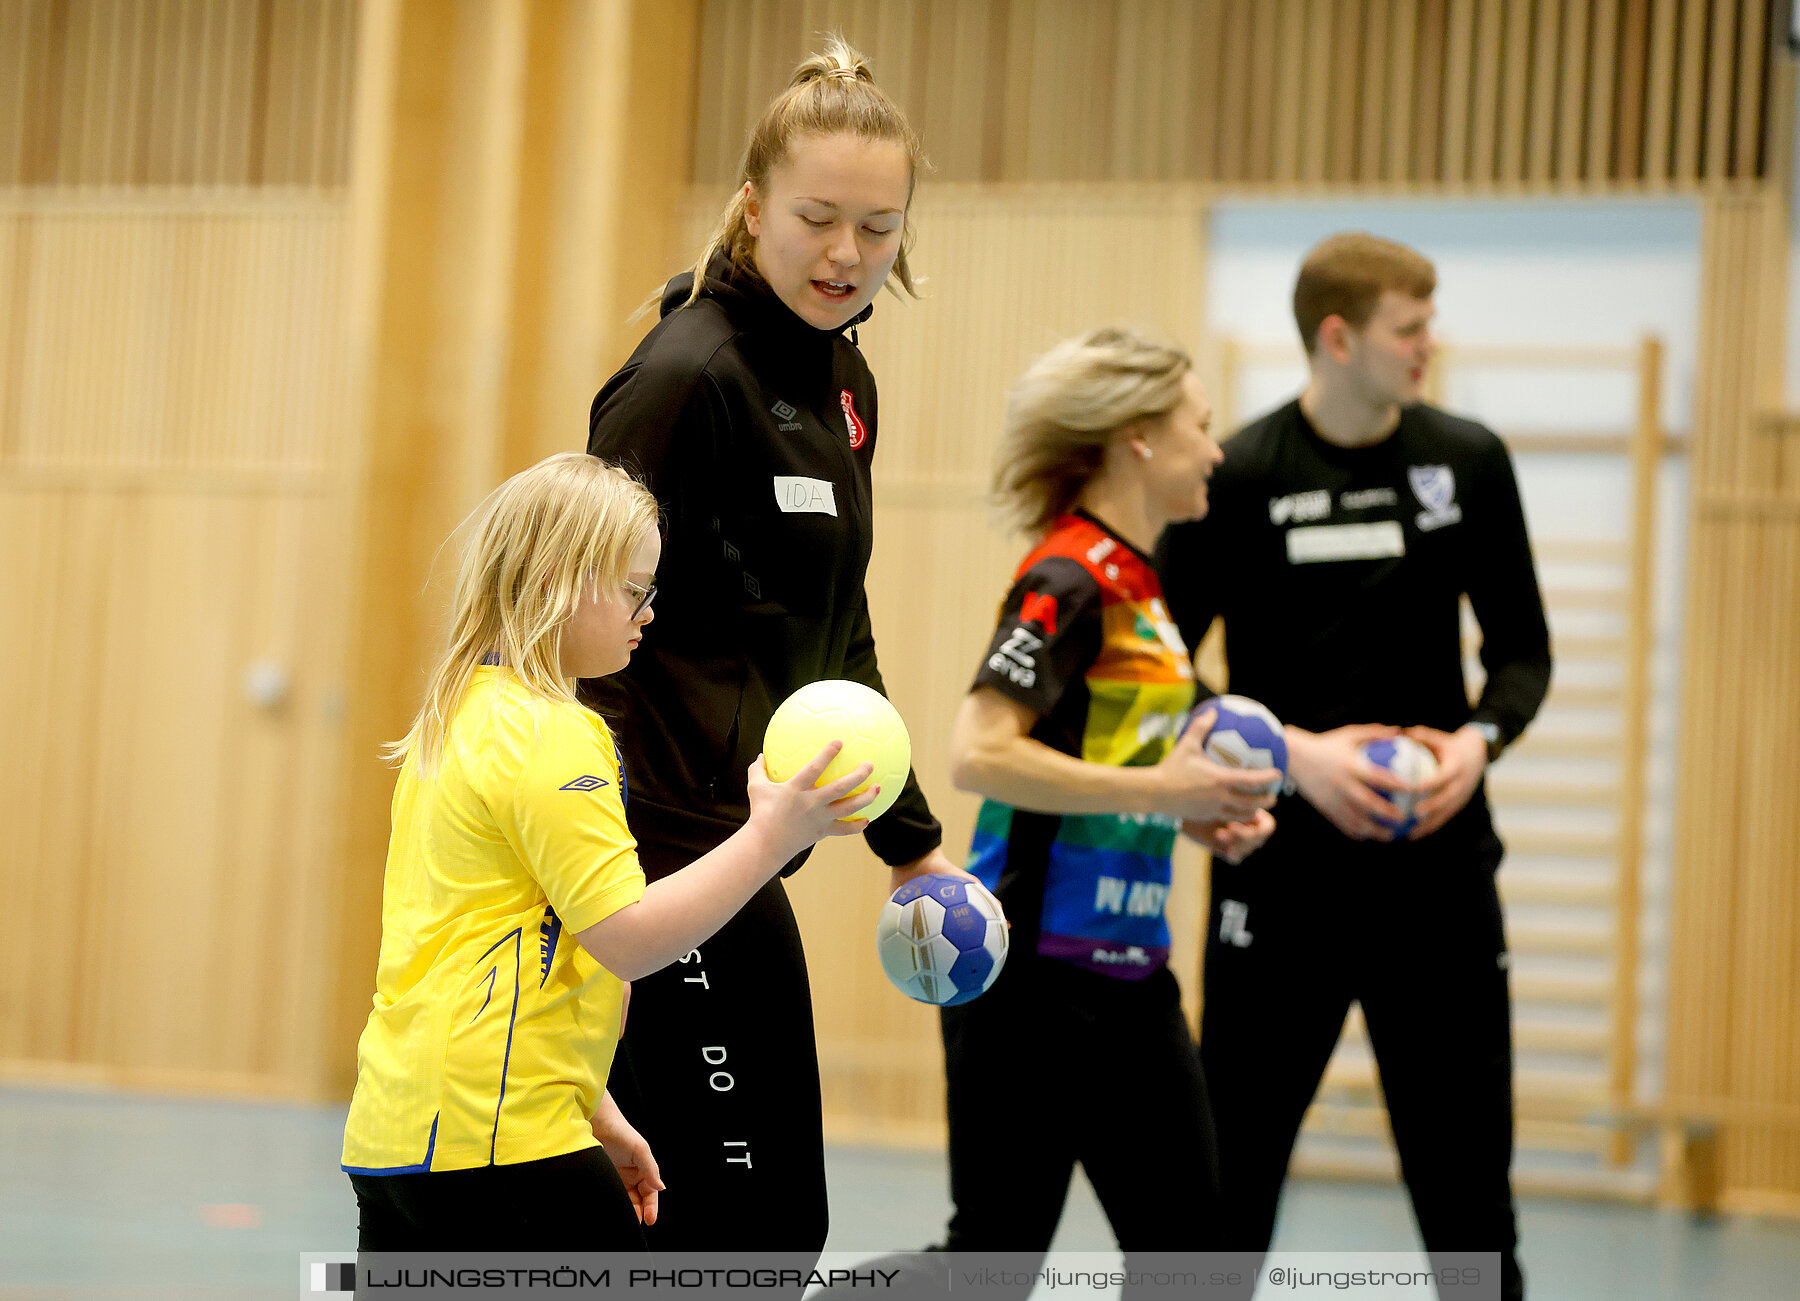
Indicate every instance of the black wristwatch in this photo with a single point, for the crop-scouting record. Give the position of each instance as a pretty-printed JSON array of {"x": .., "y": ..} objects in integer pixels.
[{"x": 1490, "y": 732}]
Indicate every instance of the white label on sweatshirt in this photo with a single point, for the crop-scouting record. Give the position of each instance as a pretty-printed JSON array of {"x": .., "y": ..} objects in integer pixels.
[
  {"x": 1345, "y": 542},
  {"x": 798, "y": 495}
]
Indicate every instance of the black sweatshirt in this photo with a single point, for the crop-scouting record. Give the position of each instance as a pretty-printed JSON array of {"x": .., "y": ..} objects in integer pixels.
[
  {"x": 756, "y": 433},
  {"x": 1339, "y": 573}
]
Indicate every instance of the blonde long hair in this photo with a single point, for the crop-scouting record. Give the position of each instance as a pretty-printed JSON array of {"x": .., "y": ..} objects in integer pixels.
[
  {"x": 1065, "y": 408},
  {"x": 530, "y": 551},
  {"x": 831, "y": 92}
]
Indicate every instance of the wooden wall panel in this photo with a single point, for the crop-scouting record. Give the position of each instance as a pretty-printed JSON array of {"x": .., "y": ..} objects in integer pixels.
[
  {"x": 173, "y": 499},
  {"x": 1690, "y": 89},
  {"x": 1458, "y": 62},
  {"x": 1603, "y": 163},
  {"x": 1754, "y": 55},
  {"x": 173, "y": 335},
  {"x": 1734, "y": 1049},
  {"x": 173, "y": 509},
  {"x": 1660, "y": 89},
  {"x": 1721, "y": 65},
  {"x": 1229, "y": 112},
  {"x": 1344, "y": 90},
  {"x": 1633, "y": 66},
  {"x": 176, "y": 92},
  {"x": 492, "y": 289},
  {"x": 1548, "y": 34},
  {"x": 178, "y": 830},
  {"x": 1289, "y": 102},
  {"x": 1416, "y": 91},
  {"x": 1540, "y": 95},
  {"x": 241, "y": 401}
]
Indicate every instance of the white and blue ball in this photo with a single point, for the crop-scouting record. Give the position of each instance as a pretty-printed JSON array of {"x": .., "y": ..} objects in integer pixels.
[
  {"x": 1412, "y": 763},
  {"x": 942, "y": 939},
  {"x": 1245, "y": 734}
]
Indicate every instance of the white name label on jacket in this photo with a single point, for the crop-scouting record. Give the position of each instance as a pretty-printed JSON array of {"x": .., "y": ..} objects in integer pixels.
[
  {"x": 1345, "y": 542},
  {"x": 798, "y": 495}
]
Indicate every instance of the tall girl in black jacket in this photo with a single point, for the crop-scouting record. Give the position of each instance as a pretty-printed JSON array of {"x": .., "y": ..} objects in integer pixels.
[{"x": 753, "y": 420}]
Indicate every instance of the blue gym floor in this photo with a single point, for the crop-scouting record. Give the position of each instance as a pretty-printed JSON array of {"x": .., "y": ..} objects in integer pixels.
[{"x": 109, "y": 1195}]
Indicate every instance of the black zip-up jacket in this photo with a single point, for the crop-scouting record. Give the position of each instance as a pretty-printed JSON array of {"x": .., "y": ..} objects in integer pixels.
[
  {"x": 1340, "y": 572},
  {"x": 756, "y": 433}
]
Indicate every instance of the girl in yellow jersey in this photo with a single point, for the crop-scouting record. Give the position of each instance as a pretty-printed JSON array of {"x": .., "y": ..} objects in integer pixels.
[{"x": 514, "y": 910}]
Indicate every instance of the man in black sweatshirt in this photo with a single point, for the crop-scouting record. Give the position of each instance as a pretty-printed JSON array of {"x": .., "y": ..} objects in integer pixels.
[{"x": 1345, "y": 530}]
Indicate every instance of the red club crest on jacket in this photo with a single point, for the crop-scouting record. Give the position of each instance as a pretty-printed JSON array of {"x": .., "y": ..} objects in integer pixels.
[{"x": 859, "y": 432}]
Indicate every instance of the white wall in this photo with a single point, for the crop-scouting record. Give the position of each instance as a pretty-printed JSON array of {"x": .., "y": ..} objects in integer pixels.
[{"x": 1545, "y": 272}]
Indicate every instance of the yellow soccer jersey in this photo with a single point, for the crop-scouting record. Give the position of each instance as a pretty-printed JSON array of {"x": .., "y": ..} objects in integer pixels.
[{"x": 493, "y": 1030}]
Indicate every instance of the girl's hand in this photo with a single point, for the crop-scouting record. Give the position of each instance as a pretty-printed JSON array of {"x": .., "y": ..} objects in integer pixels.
[
  {"x": 631, "y": 1155},
  {"x": 798, "y": 814}
]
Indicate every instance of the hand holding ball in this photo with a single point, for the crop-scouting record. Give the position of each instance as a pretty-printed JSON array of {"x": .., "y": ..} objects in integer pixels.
[
  {"x": 1244, "y": 735},
  {"x": 942, "y": 939},
  {"x": 1412, "y": 763},
  {"x": 836, "y": 710}
]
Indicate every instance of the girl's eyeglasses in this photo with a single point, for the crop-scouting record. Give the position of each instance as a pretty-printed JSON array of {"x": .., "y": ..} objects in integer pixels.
[{"x": 645, "y": 596}]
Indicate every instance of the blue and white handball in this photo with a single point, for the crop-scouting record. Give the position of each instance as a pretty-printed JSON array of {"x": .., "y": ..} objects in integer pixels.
[
  {"x": 1412, "y": 763},
  {"x": 1245, "y": 734},
  {"x": 942, "y": 939}
]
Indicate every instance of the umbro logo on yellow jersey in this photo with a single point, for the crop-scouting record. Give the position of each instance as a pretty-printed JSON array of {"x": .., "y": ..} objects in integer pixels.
[{"x": 584, "y": 784}]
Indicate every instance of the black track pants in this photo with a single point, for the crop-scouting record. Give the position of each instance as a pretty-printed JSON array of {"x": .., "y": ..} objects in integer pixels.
[
  {"x": 1298, "y": 933},
  {"x": 1056, "y": 1065},
  {"x": 719, "y": 1071},
  {"x": 573, "y": 1202}
]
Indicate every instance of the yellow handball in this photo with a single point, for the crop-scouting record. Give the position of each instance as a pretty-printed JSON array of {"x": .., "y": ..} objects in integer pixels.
[{"x": 835, "y": 710}]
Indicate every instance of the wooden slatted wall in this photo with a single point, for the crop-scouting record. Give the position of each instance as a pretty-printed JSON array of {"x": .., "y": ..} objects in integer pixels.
[
  {"x": 1734, "y": 1015},
  {"x": 173, "y": 509},
  {"x": 512, "y": 210},
  {"x": 285, "y": 287},
  {"x": 1538, "y": 95},
  {"x": 176, "y": 92}
]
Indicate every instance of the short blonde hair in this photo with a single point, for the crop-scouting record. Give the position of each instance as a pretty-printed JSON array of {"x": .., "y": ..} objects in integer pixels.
[
  {"x": 1065, "y": 409},
  {"x": 1346, "y": 275},
  {"x": 830, "y": 93},
  {"x": 530, "y": 551}
]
